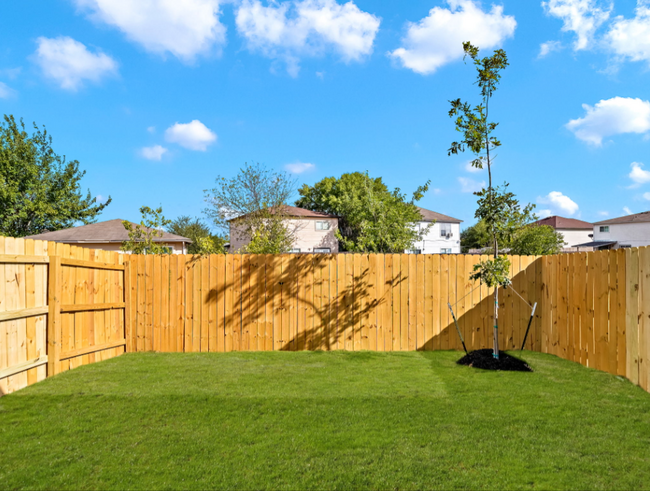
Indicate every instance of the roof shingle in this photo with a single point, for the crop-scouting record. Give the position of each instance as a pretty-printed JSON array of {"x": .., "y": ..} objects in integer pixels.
[{"x": 108, "y": 231}]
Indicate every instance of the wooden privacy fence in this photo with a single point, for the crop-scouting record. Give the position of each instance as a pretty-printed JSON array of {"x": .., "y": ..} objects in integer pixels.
[
  {"x": 593, "y": 308},
  {"x": 60, "y": 307},
  {"x": 304, "y": 302}
]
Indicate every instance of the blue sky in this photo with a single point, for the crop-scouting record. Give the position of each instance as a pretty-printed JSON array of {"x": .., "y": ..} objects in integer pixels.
[{"x": 156, "y": 98}]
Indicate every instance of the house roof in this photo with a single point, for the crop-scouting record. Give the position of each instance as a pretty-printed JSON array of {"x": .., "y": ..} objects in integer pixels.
[
  {"x": 596, "y": 243},
  {"x": 294, "y": 211},
  {"x": 636, "y": 218},
  {"x": 109, "y": 231},
  {"x": 565, "y": 223},
  {"x": 430, "y": 216}
]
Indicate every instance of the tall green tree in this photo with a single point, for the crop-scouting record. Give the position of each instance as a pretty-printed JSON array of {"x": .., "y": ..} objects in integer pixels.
[
  {"x": 144, "y": 237},
  {"x": 474, "y": 237},
  {"x": 257, "y": 199},
  {"x": 39, "y": 190},
  {"x": 497, "y": 208},
  {"x": 203, "y": 240},
  {"x": 536, "y": 240},
  {"x": 371, "y": 217}
]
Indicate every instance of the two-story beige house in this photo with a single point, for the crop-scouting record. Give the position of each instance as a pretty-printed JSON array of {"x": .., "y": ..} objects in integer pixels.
[{"x": 313, "y": 231}]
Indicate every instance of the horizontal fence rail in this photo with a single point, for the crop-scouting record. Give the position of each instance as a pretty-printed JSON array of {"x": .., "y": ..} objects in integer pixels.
[{"x": 64, "y": 306}]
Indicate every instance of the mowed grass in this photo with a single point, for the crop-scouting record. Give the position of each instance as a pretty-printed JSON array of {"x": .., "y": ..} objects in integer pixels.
[{"x": 325, "y": 421}]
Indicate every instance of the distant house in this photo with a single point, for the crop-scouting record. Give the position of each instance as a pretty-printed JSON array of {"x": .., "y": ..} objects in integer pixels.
[
  {"x": 627, "y": 231},
  {"x": 443, "y": 237},
  {"x": 314, "y": 232},
  {"x": 574, "y": 231},
  {"x": 108, "y": 236}
]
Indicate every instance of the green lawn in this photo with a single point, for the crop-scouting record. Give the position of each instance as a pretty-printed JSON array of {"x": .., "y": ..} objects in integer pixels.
[{"x": 325, "y": 421}]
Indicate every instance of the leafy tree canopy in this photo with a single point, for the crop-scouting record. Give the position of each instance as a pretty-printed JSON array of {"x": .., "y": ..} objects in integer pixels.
[
  {"x": 475, "y": 237},
  {"x": 39, "y": 190},
  {"x": 203, "y": 241},
  {"x": 257, "y": 198},
  {"x": 372, "y": 218},
  {"x": 536, "y": 240}
]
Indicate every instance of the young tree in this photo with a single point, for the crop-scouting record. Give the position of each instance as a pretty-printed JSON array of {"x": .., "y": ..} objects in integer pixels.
[
  {"x": 257, "y": 198},
  {"x": 371, "y": 217},
  {"x": 39, "y": 190},
  {"x": 203, "y": 241},
  {"x": 142, "y": 238},
  {"x": 497, "y": 207}
]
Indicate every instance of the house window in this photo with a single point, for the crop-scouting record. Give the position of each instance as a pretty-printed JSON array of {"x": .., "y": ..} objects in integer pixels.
[
  {"x": 294, "y": 250},
  {"x": 605, "y": 229},
  {"x": 322, "y": 250},
  {"x": 445, "y": 230},
  {"x": 415, "y": 251},
  {"x": 323, "y": 226},
  {"x": 624, "y": 246},
  {"x": 445, "y": 251}
]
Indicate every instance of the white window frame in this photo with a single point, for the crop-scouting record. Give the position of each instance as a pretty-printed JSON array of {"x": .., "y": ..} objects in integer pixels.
[
  {"x": 327, "y": 224},
  {"x": 604, "y": 229},
  {"x": 322, "y": 250},
  {"x": 294, "y": 250},
  {"x": 445, "y": 229},
  {"x": 445, "y": 250}
]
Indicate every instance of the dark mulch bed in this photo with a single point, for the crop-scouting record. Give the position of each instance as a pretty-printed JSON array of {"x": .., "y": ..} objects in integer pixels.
[{"x": 483, "y": 358}]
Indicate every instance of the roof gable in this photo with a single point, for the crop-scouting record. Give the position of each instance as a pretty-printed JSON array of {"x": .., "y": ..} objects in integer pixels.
[
  {"x": 643, "y": 217},
  {"x": 565, "y": 223},
  {"x": 431, "y": 216}
]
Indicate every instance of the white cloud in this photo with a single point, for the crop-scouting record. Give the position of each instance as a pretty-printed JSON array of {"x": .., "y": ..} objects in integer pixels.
[
  {"x": 646, "y": 196},
  {"x": 582, "y": 17},
  {"x": 630, "y": 38},
  {"x": 559, "y": 203},
  {"x": 299, "y": 167},
  {"x": 470, "y": 185},
  {"x": 638, "y": 174},
  {"x": 627, "y": 210},
  {"x": 470, "y": 168},
  {"x": 193, "y": 135},
  {"x": 544, "y": 213},
  {"x": 289, "y": 30},
  {"x": 153, "y": 153},
  {"x": 548, "y": 47},
  {"x": 611, "y": 117},
  {"x": 183, "y": 28},
  {"x": 70, "y": 63},
  {"x": 101, "y": 199},
  {"x": 438, "y": 38},
  {"x": 603, "y": 213},
  {"x": 151, "y": 129},
  {"x": 6, "y": 92}
]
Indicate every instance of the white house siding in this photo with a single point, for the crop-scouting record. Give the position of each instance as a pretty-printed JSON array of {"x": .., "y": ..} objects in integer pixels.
[
  {"x": 434, "y": 243},
  {"x": 573, "y": 236},
  {"x": 626, "y": 234},
  {"x": 306, "y": 236}
]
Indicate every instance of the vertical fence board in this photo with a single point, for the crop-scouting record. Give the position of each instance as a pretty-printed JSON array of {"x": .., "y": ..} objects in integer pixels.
[{"x": 644, "y": 318}]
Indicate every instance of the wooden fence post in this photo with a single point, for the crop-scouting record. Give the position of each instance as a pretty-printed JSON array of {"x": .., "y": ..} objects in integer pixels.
[
  {"x": 54, "y": 316},
  {"x": 632, "y": 314},
  {"x": 128, "y": 328}
]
